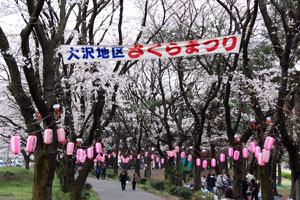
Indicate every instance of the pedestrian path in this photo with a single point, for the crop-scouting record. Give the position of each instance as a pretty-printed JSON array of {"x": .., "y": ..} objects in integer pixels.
[{"x": 111, "y": 190}]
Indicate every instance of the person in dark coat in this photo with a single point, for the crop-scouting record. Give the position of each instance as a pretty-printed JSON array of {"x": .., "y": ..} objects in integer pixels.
[
  {"x": 212, "y": 181},
  {"x": 245, "y": 188},
  {"x": 103, "y": 172},
  {"x": 98, "y": 172},
  {"x": 134, "y": 179},
  {"x": 254, "y": 189},
  {"x": 123, "y": 179},
  {"x": 208, "y": 182}
]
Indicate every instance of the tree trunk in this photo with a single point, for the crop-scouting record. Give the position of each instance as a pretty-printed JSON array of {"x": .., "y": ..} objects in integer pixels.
[
  {"x": 265, "y": 183},
  {"x": 197, "y": 177},
  {"x": 295, "y": 192},
  {"x": 26, "y": 158},
  {"x": 238, "y": 173},
  {"x": 115, "y": 164},
  {"x": 148, "y": 168},
  {"x": 279, "y": 173},
  {"x": 137, "y": 167},
  {"x": 66, "y": 172},
  {"x": 76, "y": 193},
  {"x": 44, "y": 169},
  {"x": 169, "y": 165}
]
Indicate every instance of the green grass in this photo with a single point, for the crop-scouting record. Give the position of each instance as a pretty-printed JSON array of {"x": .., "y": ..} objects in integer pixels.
[
  {"x": 16, "y": 183},
  {"x": 149, "y": 188}
]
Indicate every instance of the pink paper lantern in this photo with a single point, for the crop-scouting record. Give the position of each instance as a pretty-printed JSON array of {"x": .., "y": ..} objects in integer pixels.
[
  {"x": 245, "y": 152},
  {"x": 260, "y": 159},
  {"x": 15, "y": 145},
  {"x": 61, "y": 135},
  {"x": 182, "y": 155},
  {"x": 108, "y": 156},
  {"x": 198, "y": 162},
  {"x": 152, "y": 157},
  {"x": 31, "y": 143},
  {"x": 252, "y": 147},
  {"x": 98, "y": 157},
  {"x": 98, "y": 147},
  {"x": 162, "y": 161},
  {"x": 48, "y": 135},
  {"x": 83, "y": 159},
  {"x": 102, "y": 159},
  {"x": 269, "y": 143},
  {"x": 138, "y": 156},
  {"x": 190, "y": 158},
  {"x": 90, "y": 153},
  {"x": 130, "y": 157},
  {"x": 177, "y": 149},
  {"x": 115, "y": 155},
  {"x": 257, "y": 150},
  {"x": 70, "y": 148},
  {"x": 170, "y": 154},
  {"x": 230, "y": 151},
  {"x": 204, "y": 164},
  {"x": 213, "y": 162},
  {"x": 146, "y": 154},
  {"x": 222, "y": 157},
  {"x": 80, "y": 154},
  {"x": 266, "y": 155},
  {"x": 157, "y": 159},
  {"x": 236, "y": 155}
]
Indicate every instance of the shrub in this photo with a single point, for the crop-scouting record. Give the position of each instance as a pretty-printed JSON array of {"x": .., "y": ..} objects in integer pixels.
[
  {"x": 286, "y": 175},
  {"x": 85, "y": 195},
  {"x": 87, "y": 186},
  {"x": 172, "y": 190},
  {"x": 61, "y": 196},
  {"x": 202, "y": 196},
  {"x": 143, "y": 181},
  {"x": 184, "y": 192},
  {"x": 158, "y": 185}
]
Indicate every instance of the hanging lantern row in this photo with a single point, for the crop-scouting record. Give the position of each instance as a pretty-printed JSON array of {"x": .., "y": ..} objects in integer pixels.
[{"x": 262, "y": 156}]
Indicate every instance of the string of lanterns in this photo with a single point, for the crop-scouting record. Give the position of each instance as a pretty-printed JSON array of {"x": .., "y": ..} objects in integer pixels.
[{"x": 262, "y": 156}]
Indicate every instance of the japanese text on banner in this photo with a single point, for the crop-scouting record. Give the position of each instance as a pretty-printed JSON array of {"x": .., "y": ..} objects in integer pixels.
[{"x": 81, "y": 54}]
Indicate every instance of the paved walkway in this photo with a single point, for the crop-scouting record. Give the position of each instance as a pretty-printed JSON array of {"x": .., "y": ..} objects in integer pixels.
[{"x": 111, "y": 190}]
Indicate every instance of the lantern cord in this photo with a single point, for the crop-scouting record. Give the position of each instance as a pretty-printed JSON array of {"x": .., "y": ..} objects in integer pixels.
[
  {"x": 39, "y": 121},
  {"x": 287, "y": 110},
  {"x": 42, "y": 129}
]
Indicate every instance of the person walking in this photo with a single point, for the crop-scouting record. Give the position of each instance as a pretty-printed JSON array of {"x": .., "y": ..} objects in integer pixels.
[
  {"x": 103, "y": 172},
  {"x": 134, "y": 179},
  {"x": 245, "y": 188},
  {"x": 123, "y": 179},
  {"x": 98, "y": 172},
  {"x": 254, "y": 189}
]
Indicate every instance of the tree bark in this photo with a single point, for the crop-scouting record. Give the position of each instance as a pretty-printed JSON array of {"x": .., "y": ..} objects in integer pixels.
[
  {"x": 76, "y": 191},
  {"x": 265, "y": 183},
  {"x": 44, "y": 165},
  {"x": 237, "y": 177},
  {"x": 66, "y": 173}
]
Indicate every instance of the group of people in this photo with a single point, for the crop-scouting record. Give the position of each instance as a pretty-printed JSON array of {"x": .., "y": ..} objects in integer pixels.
[
  {"x": 250, "y": 187},
  {"x": 222, "y": 183},
  {"x": 210, "y": 182},
  {"x": 100, "y": 171},
  {"x": 124, "y": 178}
]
